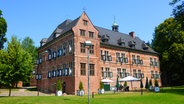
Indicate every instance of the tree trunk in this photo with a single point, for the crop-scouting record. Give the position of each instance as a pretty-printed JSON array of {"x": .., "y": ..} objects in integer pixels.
[{"x": 10, "y": 91}]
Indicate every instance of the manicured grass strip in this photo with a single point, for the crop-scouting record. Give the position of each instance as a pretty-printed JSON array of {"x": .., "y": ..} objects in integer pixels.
[{"x": 118, "y": 98}]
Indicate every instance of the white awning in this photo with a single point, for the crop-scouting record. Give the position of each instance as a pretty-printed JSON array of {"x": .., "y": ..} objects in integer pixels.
[
  {"x": 129, "y": 79},
  {"x": 106, "y": 80}
]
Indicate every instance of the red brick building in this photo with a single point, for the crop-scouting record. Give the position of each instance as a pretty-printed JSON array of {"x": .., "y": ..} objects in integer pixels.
[{"x": 63, "y": 56}]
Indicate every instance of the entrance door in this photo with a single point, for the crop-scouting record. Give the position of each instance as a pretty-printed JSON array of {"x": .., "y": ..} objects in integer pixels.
[{"x": 107, "y": 87}]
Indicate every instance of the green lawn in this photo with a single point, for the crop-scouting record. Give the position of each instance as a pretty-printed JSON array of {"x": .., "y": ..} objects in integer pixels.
[{"x": 170, "y": 95}]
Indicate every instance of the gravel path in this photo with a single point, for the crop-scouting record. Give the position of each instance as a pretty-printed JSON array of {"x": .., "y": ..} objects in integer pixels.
[{"x": 22, "y": 92}]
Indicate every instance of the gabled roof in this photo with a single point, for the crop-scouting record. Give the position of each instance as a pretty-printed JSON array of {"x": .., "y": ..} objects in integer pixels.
[
  {"x": 111, "y": 37},
  {"x": 115, "y": 36},
  {"x": 63, "y": 27}
]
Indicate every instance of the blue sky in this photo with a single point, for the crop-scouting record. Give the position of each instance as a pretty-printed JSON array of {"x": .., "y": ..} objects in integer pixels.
[{"x": 38, "y": 18}]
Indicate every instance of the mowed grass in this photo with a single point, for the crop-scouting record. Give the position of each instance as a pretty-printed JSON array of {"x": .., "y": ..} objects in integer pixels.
[{"x": 172, "y": 95}]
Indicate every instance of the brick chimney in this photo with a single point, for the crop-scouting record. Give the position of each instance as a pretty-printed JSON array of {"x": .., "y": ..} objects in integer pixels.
[{"x": 132, "y": 34}]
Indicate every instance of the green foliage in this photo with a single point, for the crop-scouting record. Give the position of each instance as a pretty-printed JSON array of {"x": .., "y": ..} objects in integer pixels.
[
  {"x": 3, "y": 29},
  {"x": 101, "y": 85},
  {"x": 15, "y": 64},
  {"x": 147, "y": 85},
  {"x": 59, "y": 85},
  {"x": 178, "y": 11},
  {"x": 28, "y": 45},
  {"x": 125, "y": 83},
  {"x": 81, "y": 86},
  {"x": 168, "y": 41},
  {"x": 150, "y": 83},
  {"x": 156, "y": 83}
]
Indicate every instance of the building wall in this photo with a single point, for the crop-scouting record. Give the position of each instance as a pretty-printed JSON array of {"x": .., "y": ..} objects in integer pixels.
[
  {"x": 145, "y": 68},
  {"x": 49, "y": 84},
  {"x": 75, "y": 57},
  {"x": 82, "y": 57}
]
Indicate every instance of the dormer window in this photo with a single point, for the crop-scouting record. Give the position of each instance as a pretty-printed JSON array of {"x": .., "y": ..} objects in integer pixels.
[
  {"x": 132, "y": 44},
  {"x": 85, "y": 22},
  {"x": 105, "y": 38},
  {"x": 121, "y": 42},
  {"x": 144, "y": 46}
]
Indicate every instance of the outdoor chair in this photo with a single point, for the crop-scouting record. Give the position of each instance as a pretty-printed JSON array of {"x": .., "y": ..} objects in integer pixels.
[{"x": 126, "y": 88}]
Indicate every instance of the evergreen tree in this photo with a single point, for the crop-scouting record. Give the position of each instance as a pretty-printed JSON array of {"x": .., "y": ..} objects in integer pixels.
[
  {"x": 150, "y": 83},
  {"x": 81, "y": 86},
  {"x": 147, "y": 85}
]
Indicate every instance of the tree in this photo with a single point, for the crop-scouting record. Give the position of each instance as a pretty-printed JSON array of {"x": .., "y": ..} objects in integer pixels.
[
  {"x": 156, "y": 83},
  {"x": 150, "y": 83},
  {"x": 125, "y": 83},
  {"x": 59, "y": 85},
  {"x": 28, "y": 45},
  {"x": 17, "y": 65},
  {"x": 81, "y": 86},
  {"x": 101, "y": 85},
  {"x": 3, "y": 29},
  {"x": 178, "y": 11},
  {"x": 168, "y": 41},
  {"x": 147, "y": 85}
]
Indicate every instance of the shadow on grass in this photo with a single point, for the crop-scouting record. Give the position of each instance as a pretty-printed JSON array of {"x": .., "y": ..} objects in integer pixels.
[{"x": 175, "y": 90}]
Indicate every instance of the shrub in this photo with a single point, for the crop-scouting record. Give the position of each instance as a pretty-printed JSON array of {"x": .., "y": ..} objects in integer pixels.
[
  {"x": 81, "y": 86},
  {"x": 150, "y": 83},
  {"x": 147, "y": 85},
  {"x": 101, "y": 85},
  {"x": 125, "y": 83},
  {"x": 59, "y": 85},
  {"x": 156, "y": 83}
]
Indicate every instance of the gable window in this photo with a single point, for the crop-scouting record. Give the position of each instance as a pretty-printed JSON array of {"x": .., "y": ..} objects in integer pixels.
[
  {"x": 83, "y": 68},
  {"x": 85, "y": 22},
  {"x": 82, "y": 32},
  {"x": 91, "y": 49},
  {"x": 91, "y": 34},
  {"x": 82, "y": 48},
  {"x": 92, "y": 71}
]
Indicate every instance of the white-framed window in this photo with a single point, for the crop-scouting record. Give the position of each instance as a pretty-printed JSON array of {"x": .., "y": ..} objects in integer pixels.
[{"x": 49, "y": 74}]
